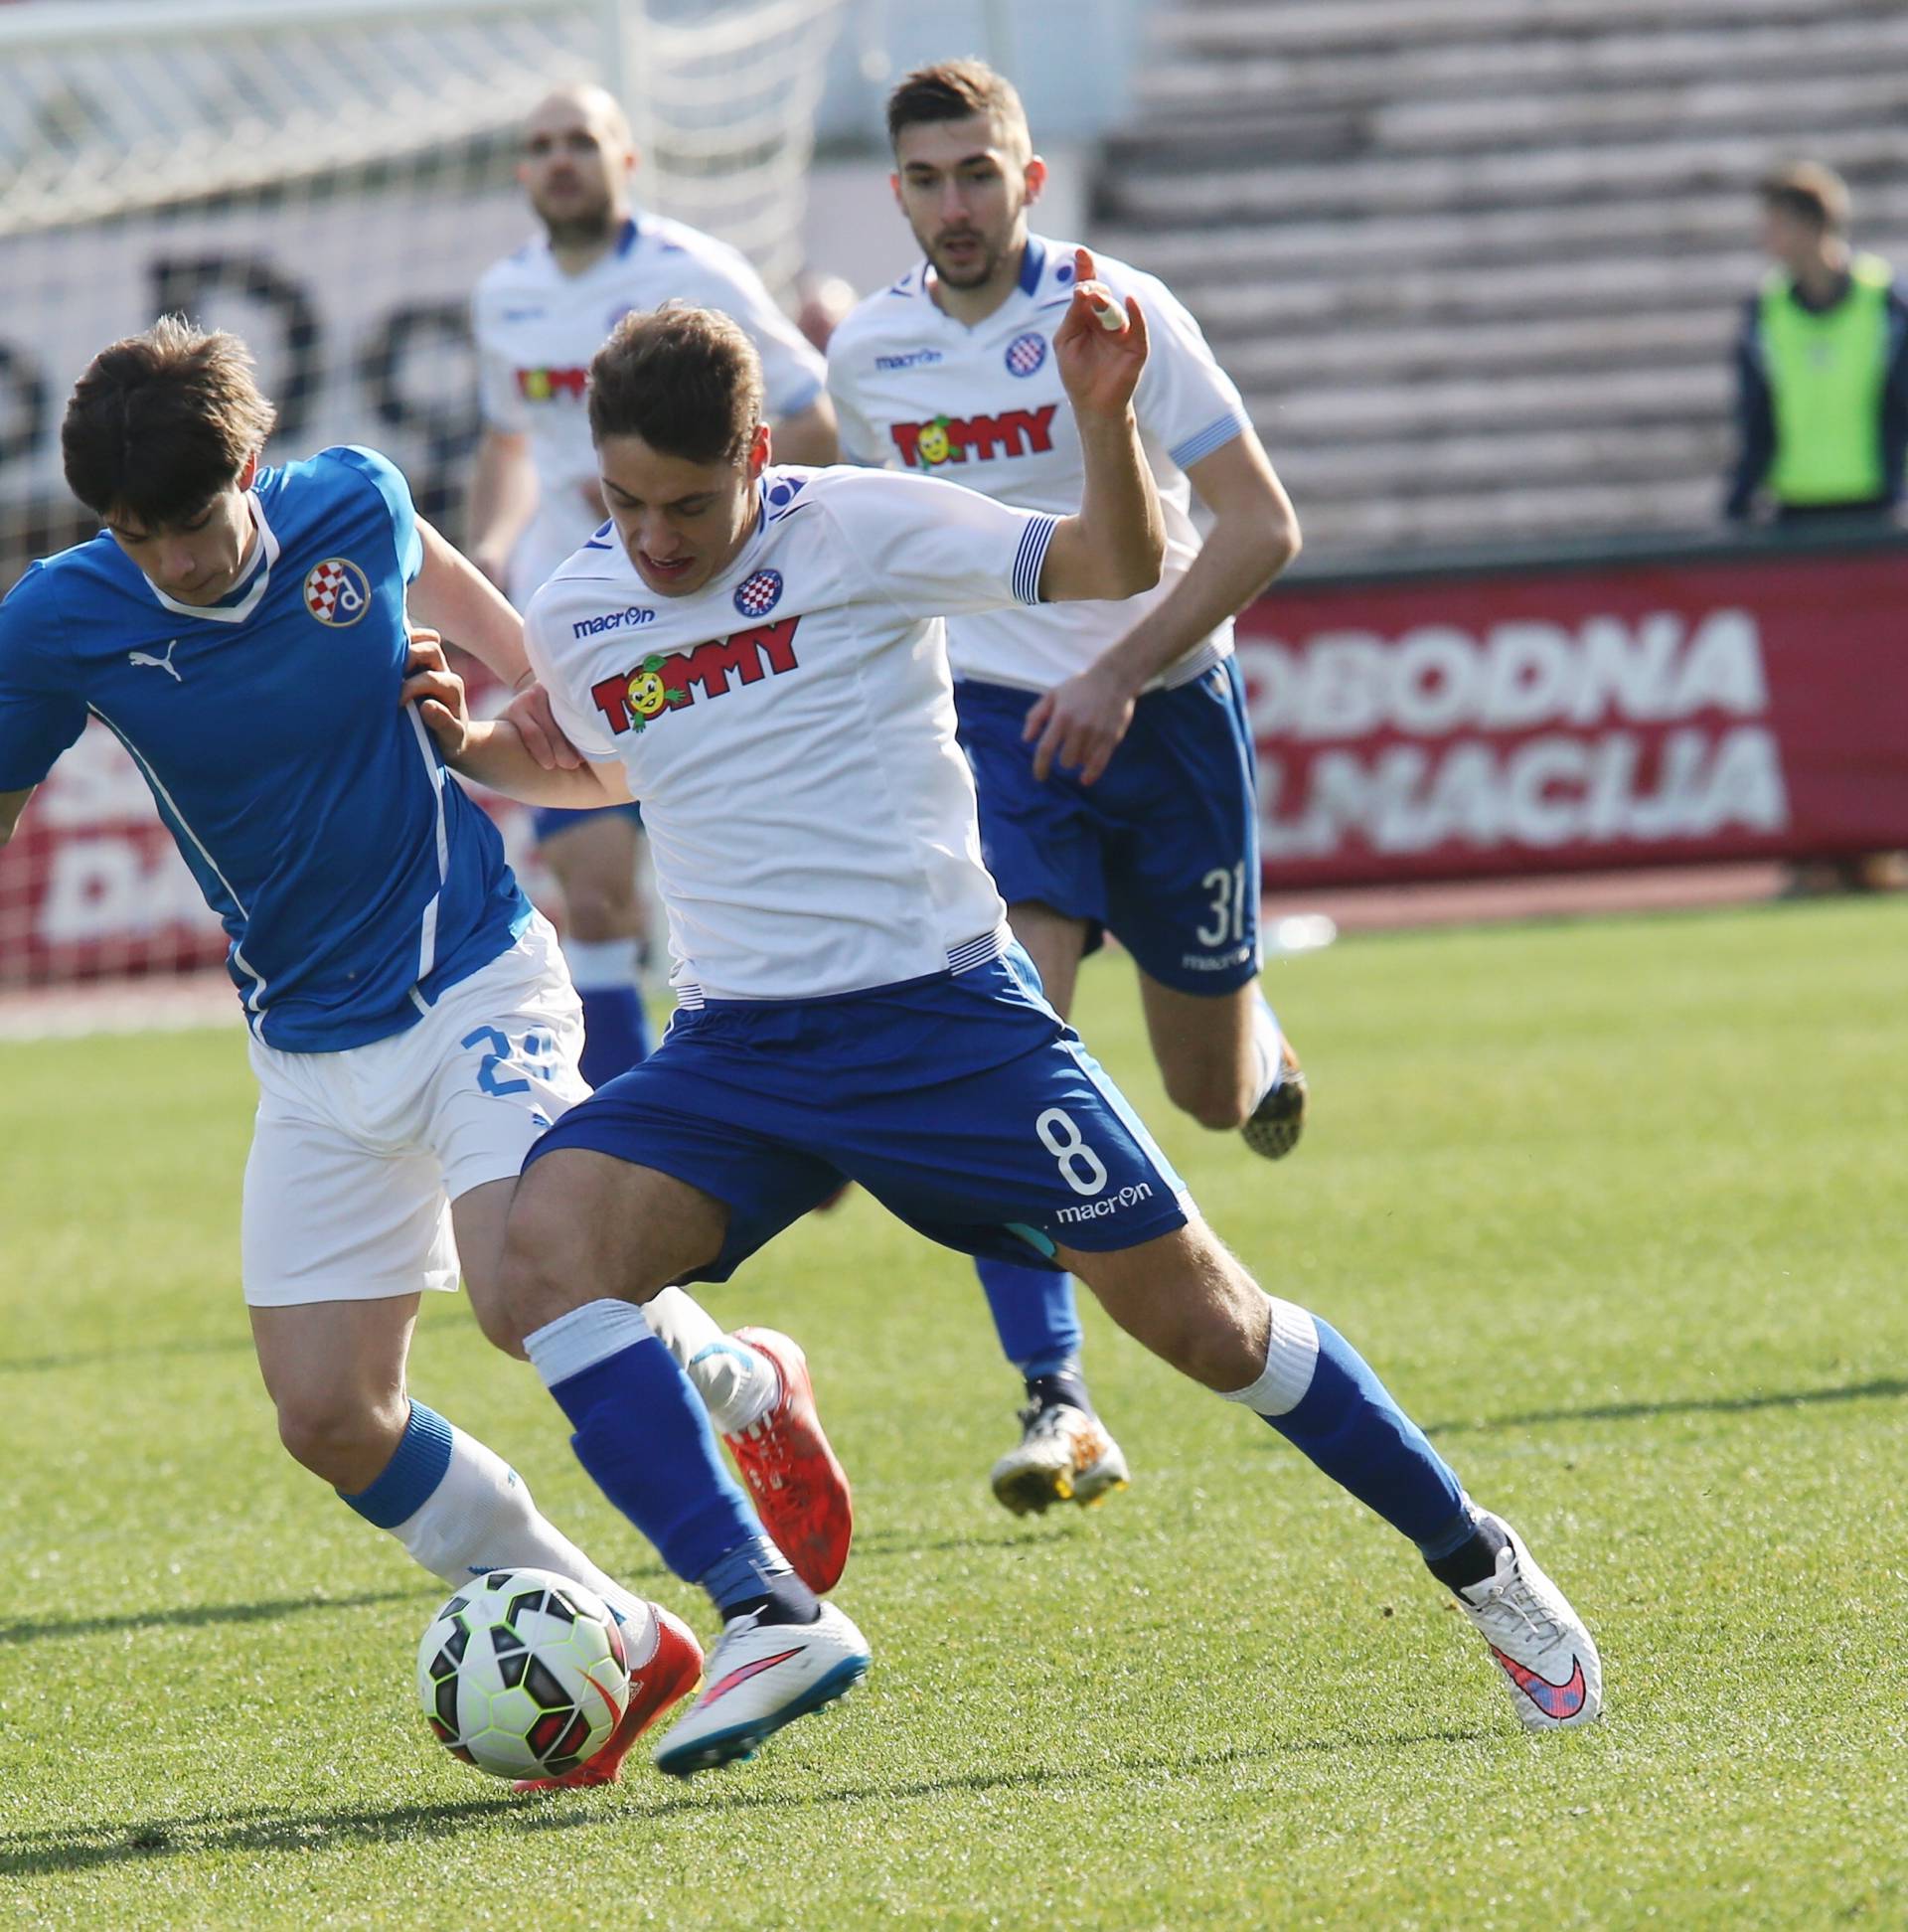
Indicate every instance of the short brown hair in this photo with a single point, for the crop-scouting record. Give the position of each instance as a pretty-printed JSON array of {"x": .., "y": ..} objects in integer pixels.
[
  {"x": 162, "y": 421},
  {"x": 1810, "y": 192},
  {"x": 957, "y": 90},
  {"x": 686, "y": 380}
]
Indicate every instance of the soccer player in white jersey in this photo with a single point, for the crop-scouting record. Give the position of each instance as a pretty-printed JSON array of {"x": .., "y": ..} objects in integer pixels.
[
  {"x": 852, "y": 1005},
  {"x": 1110, "y": 745},
  {"x": 243, "y": 631},
  {"x": 539, "y": 315}
]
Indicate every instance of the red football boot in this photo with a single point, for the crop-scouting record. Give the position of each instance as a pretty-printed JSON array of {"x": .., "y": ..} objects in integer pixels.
[
  {"x": 799, "y": 1487},
  {"x": 674, "y": 1670}
]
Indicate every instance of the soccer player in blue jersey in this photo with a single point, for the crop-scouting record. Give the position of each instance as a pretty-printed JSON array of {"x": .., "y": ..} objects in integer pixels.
[
  {"x": 851, "y": 1001},
  {"x": 243, "y": 631},
  {"x": 1111, "y": 750}
]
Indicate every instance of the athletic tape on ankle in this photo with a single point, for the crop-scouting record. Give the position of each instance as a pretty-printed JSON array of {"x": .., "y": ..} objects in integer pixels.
[
  {"x": 1291, "y": 1359},
  {"x": 583, "y": 1338}
]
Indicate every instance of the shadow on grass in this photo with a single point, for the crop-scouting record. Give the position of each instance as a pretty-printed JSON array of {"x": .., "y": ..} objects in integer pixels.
[
  {"x": 191, "y": 1615},
  {"x": 898, "y": 1542},
  {"x": 265, "y": 1827},
  {"x": 144, "y": 1352},
  {"x": 1888, "y": 1389}
]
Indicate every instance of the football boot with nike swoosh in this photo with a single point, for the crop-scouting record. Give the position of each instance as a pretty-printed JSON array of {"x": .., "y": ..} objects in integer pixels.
[
  {"x": 1546, "y": 1653},
  {"x": 758, "y": 1678}
]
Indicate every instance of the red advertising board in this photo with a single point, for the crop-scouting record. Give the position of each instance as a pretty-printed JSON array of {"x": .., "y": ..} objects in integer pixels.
[
  {"x": 1554, "y": 720},
  {"x": 1453, "y": 726}
]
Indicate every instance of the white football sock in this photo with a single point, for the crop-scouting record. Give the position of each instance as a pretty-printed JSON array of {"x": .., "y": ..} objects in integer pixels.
[
  {"x": 1291, "y": 1359},
  {"x": 480, "y": 1518},
  {"x": 1267, "y": 1042},
  {"x": 599, "y": 965},
  {"x": 737, "y": 1385}
]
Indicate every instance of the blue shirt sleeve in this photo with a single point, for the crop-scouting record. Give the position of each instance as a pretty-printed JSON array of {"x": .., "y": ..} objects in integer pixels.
[
  {"x": 388, "y": 481},
  {"x": 42, "y": 708}
]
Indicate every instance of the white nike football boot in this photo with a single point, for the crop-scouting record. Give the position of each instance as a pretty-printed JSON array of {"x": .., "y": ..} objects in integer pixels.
[
  {"x": 1065, "y": 1454},
  {"x": 758, "y": 1678},
  {"x": 1549, "y": 1657}
]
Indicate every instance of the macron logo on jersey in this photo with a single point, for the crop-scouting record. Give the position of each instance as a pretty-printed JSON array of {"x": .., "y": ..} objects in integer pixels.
[
  {"x": 954, "y": 439},
  {"x": 914, "y": 359},
  {"x": 631, "y": 698},
  {"x": 546, "y": 384},
  {"x": 612, "y": 621}
]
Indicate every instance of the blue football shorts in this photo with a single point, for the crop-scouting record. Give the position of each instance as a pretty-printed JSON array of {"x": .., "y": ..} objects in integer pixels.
[
  {"x": 1161, "y": 851},
  {"x": 549, "y": 821},
  {"x": 963, "y": 1103}
]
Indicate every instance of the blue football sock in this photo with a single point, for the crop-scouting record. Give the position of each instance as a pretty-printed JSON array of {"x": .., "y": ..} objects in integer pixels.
[
  {"x": 616, "y": 1032},
  {"x": 1034, "y": 1315},
  {"x": 642, "y": 1434},
  {"x": 1322, "y": 1395}
]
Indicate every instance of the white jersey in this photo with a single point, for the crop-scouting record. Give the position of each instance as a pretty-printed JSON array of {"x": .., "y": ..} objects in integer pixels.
[
  {"x": 915, "y": 389},
  {"x": 790, "y": 730},
  {"x": 536, "y": 329}
]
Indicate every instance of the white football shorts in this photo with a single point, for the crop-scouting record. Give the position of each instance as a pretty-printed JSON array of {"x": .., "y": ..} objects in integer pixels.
[{"x": 357, "y": 1156}]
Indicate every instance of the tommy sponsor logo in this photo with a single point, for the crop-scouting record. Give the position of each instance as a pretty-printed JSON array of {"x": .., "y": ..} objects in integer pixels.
[
  {"x": 545, "y": 385},
  {"x": 914, "y": 358},
  {"x": 164, "y": 663},
  {"x": 954, "y": 439},
  {"x": 1025, "y": 353},
  {"x": 1128, "y": 1197},
  {"x": 337, "y": 592},
  {"x": 632, "y": 699},
  {"x": 612, "y": 621}
]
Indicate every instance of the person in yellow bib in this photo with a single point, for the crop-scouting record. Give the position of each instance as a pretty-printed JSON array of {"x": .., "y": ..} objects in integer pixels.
[{"x": 1822, "y": 363}]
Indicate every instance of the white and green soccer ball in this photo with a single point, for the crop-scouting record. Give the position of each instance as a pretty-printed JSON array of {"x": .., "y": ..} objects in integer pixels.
[{"x": 523, "y": 1674}]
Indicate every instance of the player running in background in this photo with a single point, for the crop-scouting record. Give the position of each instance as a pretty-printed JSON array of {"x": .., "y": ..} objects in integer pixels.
[
  {"x": 1109, "y": 742},
  {"x": 538, "y": 316},
  {"x": 243, "y": 631},
  {"x": 852, "y": 1004}
]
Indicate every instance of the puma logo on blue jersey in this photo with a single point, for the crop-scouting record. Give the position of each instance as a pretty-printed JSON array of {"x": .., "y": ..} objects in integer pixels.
[{"x": 164, "y": 663}]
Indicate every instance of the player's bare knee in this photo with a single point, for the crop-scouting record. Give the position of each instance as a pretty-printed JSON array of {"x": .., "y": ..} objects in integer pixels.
[
  {"x": 341, "y": 1435},
  {"x": 1218, "y": 1098}
]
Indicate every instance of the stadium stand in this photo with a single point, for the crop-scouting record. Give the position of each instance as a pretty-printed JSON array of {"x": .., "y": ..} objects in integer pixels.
[{"x": 1478, "y": 263}]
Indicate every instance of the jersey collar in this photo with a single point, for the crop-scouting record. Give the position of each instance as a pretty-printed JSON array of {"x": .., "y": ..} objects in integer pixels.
[
  {"x": 1033, "y": 260},
  {"x": 258, "y": 574}
]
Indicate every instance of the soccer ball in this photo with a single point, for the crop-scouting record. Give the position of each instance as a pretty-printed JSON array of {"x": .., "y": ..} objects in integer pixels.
[{"x": 523, "y": 1674}]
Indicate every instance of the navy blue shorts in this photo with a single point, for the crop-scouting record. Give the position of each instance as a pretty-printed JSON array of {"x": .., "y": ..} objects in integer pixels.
[
  {"x": 547, "y": 820},
  {"x": 962, "y": 1103},
  {"x": 1163, "y": 851}
]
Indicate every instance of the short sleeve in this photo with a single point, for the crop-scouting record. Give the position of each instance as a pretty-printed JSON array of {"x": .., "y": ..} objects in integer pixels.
[
  {"x": 42, "y": 708},
  {"x": 860, "y": 442},
  {"x": 499, "y": 400},
  {"x": 583, "y": 722},
  {"x": 1185, "y": 402},
  {"x": 793, "y": 372},
  {"x": 388, "y": 481},
  {"x": 936, "y": 550}
]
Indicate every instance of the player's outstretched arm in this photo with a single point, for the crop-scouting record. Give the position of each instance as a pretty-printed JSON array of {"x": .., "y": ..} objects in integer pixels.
[
  {"x": 1114, "y": 545},
  {"x": 502, "y": 498},
  {"x": 808, "y": 439},
  {"x": 494, "y": 751},
  {"x": 12, "y": 804},
  {"x": 455, "y": 598}
]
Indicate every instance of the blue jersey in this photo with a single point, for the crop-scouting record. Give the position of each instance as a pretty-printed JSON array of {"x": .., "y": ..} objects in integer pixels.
[{"x": 356, "y": 880}]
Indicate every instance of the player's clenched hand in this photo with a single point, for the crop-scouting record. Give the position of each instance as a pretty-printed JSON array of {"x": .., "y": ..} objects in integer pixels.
[
  {"x": 1100, "y": 351},
  {"x": 1079, "y": 724},
  {"x": 437, "y": 692},
  {"x": 542, "y": 736}
]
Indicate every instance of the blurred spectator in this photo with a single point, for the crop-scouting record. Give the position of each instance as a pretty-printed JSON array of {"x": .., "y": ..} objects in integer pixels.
[
  {"x": 824, "y": 300},
  {"x": 1822, "y": 363}
]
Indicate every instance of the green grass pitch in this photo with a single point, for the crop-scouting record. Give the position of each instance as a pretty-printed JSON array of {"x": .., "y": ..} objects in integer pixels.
[{"x": 1616, "y": 1209}]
